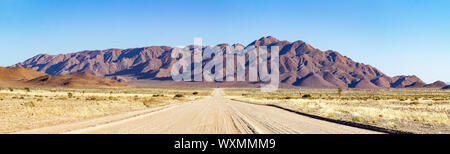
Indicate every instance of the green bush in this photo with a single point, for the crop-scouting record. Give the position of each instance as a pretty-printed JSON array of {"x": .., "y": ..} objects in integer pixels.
[
  {"x": 70, "y": 95},
  {"x": 195, "y": 93},
  {"x": 178, "y": 96},
  {"x": 27, "y": 89},
  {"x": 357, "y": 119}
]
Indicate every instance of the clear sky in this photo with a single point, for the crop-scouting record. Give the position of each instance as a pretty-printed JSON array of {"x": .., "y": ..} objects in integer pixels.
[{"x": 397, "y": 36}]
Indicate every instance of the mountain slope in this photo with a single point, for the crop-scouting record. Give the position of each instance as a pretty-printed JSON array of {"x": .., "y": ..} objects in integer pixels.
[
  {"x": 10, "y": 77},
  {"x": 23, "y": 77},
  {"x": 437, "y": 84},
  {"x": 301, "y": 65},
  {"x": 78, "y": 80}
]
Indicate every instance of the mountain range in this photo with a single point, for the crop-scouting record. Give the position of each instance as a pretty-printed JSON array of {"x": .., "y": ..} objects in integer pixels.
[{"x": 301, "y": 65}]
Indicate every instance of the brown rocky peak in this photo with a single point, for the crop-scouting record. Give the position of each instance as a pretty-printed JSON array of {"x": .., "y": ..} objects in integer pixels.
[
  {"x": 407, "y": 81},
  {"x": 437, "y": 84},
  {"x": 264, "y": 41},
  {"x": 269, "y": 38},
  {"x": 238, "y": 45},
  {"x": 223, "y": 45}
]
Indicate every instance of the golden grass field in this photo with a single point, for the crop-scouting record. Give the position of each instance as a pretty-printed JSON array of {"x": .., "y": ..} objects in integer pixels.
[
  {"x": 23, "y": 109},
  {"x": 411, "y": 110}
]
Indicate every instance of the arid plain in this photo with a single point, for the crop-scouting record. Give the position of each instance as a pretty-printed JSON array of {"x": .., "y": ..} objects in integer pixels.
[{"x": 221, "y": 111}]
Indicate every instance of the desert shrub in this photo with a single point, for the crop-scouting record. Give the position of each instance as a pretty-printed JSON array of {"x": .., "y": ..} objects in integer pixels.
[
  {"x": 11, "y": 89},
  {"x": 62, "y": 98},
  {"x": 147, "y": 103},
  {"x": 392, "y": 125},
  {"x": 330, "y": 115},
  {"x": 438, "y": 99},
  {"x": 113, "y": 98},
  {"x": 357, "y": 119},
  {"x": 376, "y": 98},
  {"x": 91, "y": 98},
  {"x": 307, "y": 96},
  {"x": 27, "y": 89},
  {"x": 195, "y": 93},
  {"x": 375, "y": 121},
  {"x": 158, "y": 95},
  {"x": 178, "y": 96},
  {"x": 70, "y": 95},
  {"x": 287, "y": 97},
  {"x": 415, "y": 103},
  {"x": 340, "y": 91},
  {"x": 39, "y": 99},
  {"x": 151, "y": 102},
  {"x": 29, "y": 104}
]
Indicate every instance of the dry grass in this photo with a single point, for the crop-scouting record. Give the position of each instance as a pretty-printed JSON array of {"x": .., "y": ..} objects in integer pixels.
[
  {"x": 418, "y": 111},
  {"x": 23, "y": 109}
]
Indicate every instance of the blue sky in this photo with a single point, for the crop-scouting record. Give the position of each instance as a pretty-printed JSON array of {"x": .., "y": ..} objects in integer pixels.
[{"x": 397, "y": 36}]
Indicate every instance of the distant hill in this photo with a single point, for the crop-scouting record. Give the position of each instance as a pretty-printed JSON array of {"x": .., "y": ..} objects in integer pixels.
[
  {"x": 301, "y": 65},
  {"x": 17, "y": 76},
  {"x": 24, "y": 77}
]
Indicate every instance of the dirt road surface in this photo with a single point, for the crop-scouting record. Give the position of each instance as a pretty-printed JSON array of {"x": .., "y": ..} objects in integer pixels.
[{"x": 212, "y": 115}]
